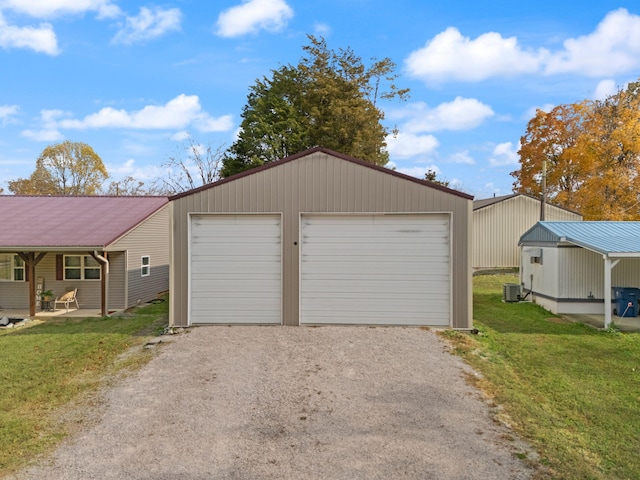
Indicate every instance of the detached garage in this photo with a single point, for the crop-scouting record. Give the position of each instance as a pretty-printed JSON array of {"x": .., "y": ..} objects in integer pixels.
[{"x": 321, "y": 238}]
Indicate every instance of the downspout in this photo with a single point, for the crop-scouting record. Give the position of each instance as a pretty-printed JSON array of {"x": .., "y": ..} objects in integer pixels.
[{"x": 105, "y": 283}]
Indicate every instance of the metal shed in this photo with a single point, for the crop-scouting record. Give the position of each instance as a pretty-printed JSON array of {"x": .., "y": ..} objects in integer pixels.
[
  {"x": 571, "y": 267},
  {"x": 498, "y": 223},
  {"x": 321, "y": 238}
]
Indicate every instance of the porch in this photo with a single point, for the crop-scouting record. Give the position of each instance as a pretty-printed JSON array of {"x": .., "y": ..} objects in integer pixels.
[{"x": 58, "y": 313}]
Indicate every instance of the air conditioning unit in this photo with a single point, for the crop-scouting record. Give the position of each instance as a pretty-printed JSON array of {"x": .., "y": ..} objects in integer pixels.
[{"x": 511, "y": 292}]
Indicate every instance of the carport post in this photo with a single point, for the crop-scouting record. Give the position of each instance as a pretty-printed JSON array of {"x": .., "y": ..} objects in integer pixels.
[{"x": 608, "y": 266}]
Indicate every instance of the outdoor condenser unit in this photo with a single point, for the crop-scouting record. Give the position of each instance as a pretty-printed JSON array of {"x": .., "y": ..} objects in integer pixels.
[{"x": 511, "y": 292}]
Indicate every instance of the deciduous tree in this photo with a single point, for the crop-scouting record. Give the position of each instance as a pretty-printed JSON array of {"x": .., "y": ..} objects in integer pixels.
[
  {"x": 67, "y": 168},
  {"x": 329, "y": 99},
  {"x": 592, "y": 154},
  {"x": 192, "y": 166}
]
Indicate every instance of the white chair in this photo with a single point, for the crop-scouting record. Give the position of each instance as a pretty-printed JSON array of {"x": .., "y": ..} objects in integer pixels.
[{"x": 67, "y": 299}]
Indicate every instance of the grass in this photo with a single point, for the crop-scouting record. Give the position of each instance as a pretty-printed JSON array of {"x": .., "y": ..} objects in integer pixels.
[
  {"x": 45, "y": 367},
  {"x": 571, "y": 391}
]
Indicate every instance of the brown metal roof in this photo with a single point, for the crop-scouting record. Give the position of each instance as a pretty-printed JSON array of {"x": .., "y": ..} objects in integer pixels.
[{"x": 56, "y": 221}]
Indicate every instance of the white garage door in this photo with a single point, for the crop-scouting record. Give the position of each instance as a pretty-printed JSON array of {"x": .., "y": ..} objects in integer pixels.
[
  {"x": 235, "y": 269},
  {"x": 375, "y": 269}
]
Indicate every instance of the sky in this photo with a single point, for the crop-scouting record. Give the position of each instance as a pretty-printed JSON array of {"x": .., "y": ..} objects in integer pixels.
[{"x": 134, "y": 79}]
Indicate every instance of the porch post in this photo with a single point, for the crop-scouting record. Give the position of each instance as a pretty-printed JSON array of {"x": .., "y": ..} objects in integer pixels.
[
  {"x": 608, "y": 266},
  {"x": 30, "y": 261}
]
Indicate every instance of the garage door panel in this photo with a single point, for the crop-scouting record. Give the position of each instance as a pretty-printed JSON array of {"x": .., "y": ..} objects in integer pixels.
[
  {"x": 236, "y": 269},
  {"x": 373, "y": 288},
  {"x": 368, "y": 269},
  {"x": 375, "y": 269}
]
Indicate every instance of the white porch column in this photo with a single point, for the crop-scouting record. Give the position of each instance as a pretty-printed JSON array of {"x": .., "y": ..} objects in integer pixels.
[{"x": 608, "y": 266}]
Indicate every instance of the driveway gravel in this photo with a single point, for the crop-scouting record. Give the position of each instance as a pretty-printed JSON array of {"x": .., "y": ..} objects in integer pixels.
[{"x": 292, "y": 403}]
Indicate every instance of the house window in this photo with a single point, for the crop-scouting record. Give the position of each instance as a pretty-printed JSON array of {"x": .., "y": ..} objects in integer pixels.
[
  {"x": 145, "y": 269},
  {"x": 11, "y": 268},
  {"x": 81, "y": 267}
]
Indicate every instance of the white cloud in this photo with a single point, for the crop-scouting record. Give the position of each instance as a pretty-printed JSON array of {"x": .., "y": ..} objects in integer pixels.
[
  {"x": 449, "y": 55},
  {"x": 418, "y": 171},
  {"x": 41, "y": 39},
  {"x": 322, "y": 29},
  {"x": 53, "y": 8},
  {"x": 504, "y": 154},
  {"x": 49, "y": 131},
  {"x": 460, "y": 114},
  {"x": 461, "y": 157},
  {"x": 178, "y": 113},
  {"x": 180, "y": 136},
  {"x": 148, "y": 24},
  {"x": 612, "y": 48},
  {"x": 529, "y": 114},
  {"x": 252, "y": 16},
  {"x": 44, "y": 135},
  {"x": 604, "y": 89},
  {"x": 7, "y": 112},
  {"x": 406, "y": 145}
]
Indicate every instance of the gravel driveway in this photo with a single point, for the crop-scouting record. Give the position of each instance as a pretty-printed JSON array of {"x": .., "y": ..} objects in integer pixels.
[{"x": 292, "y": 403}]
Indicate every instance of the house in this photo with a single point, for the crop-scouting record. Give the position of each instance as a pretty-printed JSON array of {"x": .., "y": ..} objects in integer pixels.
[
  {"x": 499, "y": 222},
  {"x": 114, "y": 250},
  {"x": 321, "y": 238},
  {"x": 571, "y": 267}
]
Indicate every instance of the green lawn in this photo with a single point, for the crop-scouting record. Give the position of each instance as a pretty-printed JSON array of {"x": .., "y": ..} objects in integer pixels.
[
  {"x": 571, "y": 391},
  {"x": 47, "y": 366}
]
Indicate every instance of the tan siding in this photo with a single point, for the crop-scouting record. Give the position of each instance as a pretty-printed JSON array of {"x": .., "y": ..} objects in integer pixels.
[
  {"x": 148, "y": 238},
  {"x": 117, "y": 280},
  {"x": 497, "y": 229},
  {"x": 16, "y": 294},
  {"x": 320, "y": 183}
]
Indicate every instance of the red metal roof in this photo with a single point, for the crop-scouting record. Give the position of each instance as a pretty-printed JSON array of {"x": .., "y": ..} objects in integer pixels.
[{"x": 57, "y": 221}]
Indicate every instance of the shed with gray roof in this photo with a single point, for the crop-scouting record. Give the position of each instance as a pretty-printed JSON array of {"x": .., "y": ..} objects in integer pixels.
[{"x": 571, "y": 267}]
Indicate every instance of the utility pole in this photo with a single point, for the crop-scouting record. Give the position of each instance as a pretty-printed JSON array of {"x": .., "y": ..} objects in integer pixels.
[{"x": 543, "y": 197}]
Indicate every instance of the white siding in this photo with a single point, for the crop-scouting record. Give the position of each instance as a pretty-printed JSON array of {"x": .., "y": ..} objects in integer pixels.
[
  {"x": 582, "y": 273},
  {"x": 543, "y": 277},
  {"x": 375, "y": 269},
  {"x": 235, "y": 269}
]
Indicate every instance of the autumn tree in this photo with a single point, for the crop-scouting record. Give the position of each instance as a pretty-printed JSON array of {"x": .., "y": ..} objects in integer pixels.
[
  {"x": 192, "y": 165},
  {"x": 67, "y": 168},
  {"x": 329, "y": 99},
  {"x": 551, "y": 138},
  {"x": 612, "y": 143},
  {"x": 592, "y": 154}
]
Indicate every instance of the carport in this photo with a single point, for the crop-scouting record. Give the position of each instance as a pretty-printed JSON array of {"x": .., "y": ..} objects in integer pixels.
[{"x": 571, "y": 267}]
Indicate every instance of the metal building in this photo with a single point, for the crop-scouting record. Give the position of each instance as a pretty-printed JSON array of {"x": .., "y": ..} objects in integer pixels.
[
  {"x": 499, "y": 222},
  {"x": 571, "y": 267},
  {"x": 321, "y": 238}
]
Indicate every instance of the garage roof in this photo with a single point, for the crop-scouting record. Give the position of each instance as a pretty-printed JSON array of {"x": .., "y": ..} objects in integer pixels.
[
  {"x": 39, "y": 222},
  {"x": 487, "y": 202},
  {"x": 306, "y": 153},
  {"x": 613, "y": 239}
]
